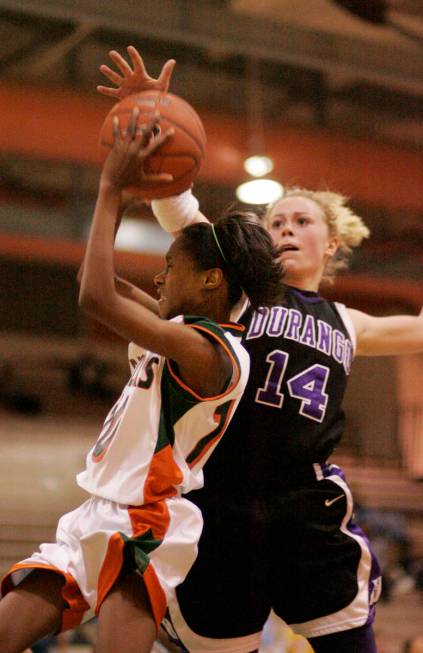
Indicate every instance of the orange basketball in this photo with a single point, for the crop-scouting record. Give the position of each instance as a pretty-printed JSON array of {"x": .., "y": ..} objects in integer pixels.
[{"x": 181, "y": 156}]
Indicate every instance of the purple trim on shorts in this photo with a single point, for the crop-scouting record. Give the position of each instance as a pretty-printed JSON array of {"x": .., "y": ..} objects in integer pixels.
[
  {"x": 375, "y": 578},
  {"x": 328, "y": 469}
]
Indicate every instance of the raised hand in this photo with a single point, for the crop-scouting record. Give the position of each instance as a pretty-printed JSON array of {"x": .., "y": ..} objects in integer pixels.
[
  {"x": 131, "y": 147},
  {"x": 133, "y": 80}
]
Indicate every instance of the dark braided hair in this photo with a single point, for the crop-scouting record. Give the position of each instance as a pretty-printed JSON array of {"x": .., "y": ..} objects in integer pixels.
[{"x": 243, "y": 249}]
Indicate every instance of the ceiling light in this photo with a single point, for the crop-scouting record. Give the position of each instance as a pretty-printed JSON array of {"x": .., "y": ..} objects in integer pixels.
[
  {"x": 259, "y": 191},
  {"x": 258, "y": 166}
]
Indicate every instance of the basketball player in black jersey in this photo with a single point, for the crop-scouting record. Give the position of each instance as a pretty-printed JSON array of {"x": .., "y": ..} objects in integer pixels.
[{"x": 278, "y": 519}]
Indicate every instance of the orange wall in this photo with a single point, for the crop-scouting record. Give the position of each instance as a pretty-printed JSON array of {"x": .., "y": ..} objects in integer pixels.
[{"x": 63, "y": 124}]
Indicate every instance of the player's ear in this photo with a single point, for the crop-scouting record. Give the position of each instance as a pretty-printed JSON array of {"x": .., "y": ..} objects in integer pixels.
[
  {"x": 213, "y": 278},
  {"x": 332, "y": 246}
]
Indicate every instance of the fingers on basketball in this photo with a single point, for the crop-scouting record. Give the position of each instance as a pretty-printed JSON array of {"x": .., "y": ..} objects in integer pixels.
[{"x": 179, "y": 141}]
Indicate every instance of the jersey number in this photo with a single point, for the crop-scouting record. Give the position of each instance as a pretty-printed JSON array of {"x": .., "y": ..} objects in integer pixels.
[
  {"x": 110, "y": 427},
  {"x": 307, "y": 386},
  {"x": 114, "y": 417}
]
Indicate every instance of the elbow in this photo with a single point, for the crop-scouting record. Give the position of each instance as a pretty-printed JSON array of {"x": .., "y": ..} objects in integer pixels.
[
  {"x": 85, "y": 299},
  {"x": 91, "y": 302}
]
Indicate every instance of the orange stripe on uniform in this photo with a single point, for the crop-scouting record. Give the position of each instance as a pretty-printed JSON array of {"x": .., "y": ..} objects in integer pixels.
[
  {"x": 163, "y": 476},
  {"x": 72, "y": 616},
  {"x": 110, "y": 569},
  {"x": 156, "y": 594},
  {"x": 154, "y": 515},
  {"x": 232, "y": 325},
  {"x": 77, "y": 604}
]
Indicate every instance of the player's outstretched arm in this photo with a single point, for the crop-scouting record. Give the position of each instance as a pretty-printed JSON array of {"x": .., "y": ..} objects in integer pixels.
[
  {"x": 98, "y": 294},
  {"x": 387, "y": 336},
  {"x": 133, "y": 79}
]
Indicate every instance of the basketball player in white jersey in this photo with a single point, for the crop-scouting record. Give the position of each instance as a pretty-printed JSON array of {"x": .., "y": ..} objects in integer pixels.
[{"x": 121, "y": 553}]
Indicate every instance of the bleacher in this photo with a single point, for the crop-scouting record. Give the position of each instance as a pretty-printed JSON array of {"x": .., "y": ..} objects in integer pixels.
[{"x": 387, "y": 488}]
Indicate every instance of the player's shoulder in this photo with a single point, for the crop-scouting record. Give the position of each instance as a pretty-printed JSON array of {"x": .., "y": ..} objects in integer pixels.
[
  {"x": 228, "y": 335},
  {"x": 222, "y": 329}
]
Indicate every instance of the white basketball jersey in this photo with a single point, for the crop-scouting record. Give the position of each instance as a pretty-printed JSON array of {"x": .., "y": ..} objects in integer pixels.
[{"x": 158, "y": 435}]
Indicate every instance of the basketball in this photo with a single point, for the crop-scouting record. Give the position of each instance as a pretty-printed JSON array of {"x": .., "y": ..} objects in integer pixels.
[{"x": 181, "y": 156}]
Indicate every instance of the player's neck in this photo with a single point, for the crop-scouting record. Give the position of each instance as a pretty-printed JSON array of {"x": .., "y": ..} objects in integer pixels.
[
  {"x": 309, "y": 282},
  {"x": 216, "y": 308}
]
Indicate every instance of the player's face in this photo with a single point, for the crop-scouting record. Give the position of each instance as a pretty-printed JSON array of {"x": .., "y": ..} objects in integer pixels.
[
  {"x": 299, "y": 227},
  {"x": 180, "y": 284}
]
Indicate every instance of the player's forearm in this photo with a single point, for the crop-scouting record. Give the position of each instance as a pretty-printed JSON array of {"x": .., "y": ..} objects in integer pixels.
[
  {"x": 97, "y": 289},
  {"x": 117, "y": 224},
  {"x": 128, "y": 290},
  {"x": 388, "y": 336}
]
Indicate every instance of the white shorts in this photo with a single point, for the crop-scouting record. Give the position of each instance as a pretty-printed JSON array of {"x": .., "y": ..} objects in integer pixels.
[{"x": 159, "y": 539}]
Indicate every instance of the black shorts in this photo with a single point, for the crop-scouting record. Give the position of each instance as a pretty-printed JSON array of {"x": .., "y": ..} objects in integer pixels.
[{"x": 297, "y": 552}]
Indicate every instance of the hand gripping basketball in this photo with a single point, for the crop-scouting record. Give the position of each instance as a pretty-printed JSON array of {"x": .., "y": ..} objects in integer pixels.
[
  {"x": 124, "y": 165},
  {"x": 180, "y": 156}
]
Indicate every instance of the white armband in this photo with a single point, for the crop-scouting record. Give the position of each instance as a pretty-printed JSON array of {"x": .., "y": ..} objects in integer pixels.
[{"x": 176, "y": 212}]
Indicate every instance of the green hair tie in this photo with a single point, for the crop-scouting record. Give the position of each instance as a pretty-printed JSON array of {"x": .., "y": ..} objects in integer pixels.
[{"x": 217, "y": 243}]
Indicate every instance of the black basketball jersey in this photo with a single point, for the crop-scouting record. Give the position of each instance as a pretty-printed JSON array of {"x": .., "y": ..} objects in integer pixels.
[
  {"x": 277, "y": 531},
  {"x": 291, "y": 413}
]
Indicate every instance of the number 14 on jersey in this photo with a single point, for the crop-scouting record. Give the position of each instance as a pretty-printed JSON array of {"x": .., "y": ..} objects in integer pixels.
[{"x": 308, "y": 386}]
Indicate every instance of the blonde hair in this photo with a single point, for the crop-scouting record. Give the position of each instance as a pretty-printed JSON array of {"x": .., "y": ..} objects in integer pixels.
[{"x": 348, "y": 227}]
